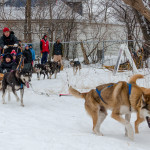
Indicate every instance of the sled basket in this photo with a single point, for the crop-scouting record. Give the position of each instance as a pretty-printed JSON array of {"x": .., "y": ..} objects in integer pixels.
[{"x": 1, "y": 76}]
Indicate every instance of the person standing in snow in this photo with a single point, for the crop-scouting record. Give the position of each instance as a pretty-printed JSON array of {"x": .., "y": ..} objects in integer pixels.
[
  {"x": 58, "y": 51},
  {"x": 33, "y": 53},
  {"x": 44, "y": 47},
  {"x": 27, "y": 58},
  {"x": 7, "y": 39}
]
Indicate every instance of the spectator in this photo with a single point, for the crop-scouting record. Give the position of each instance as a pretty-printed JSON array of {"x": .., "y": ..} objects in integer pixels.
[
  {"x": 33, "y": 53},
  {"x": 27, "y": 58},
  {"x": 44, "y": 47},
  {"x": 58, "y": 51},
  {"x": 8, "y": 64},
  {"x": 7, "y": 39}
]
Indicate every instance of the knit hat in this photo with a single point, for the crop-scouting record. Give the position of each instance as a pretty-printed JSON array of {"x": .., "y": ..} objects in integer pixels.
[
  {"x": 44, "y": 36},
  {"x": 30, "y": 45},
  {"x": 7, "y": 56},
  {"x": 5, "y": 29},
  {"x": 13, "y": 53},
  {"x": 26, "y": 45}
]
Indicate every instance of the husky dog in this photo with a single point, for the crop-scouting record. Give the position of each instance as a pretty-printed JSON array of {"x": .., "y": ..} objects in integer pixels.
[
  {"x": 41, "y": 69},
  {"x": 146, "y": 92},
  {"x": 76, "y": 66},
  {"x": 52, "y": 68},
  {"x": 14, "y": 81},
  {"x": 122, "y": 98}
]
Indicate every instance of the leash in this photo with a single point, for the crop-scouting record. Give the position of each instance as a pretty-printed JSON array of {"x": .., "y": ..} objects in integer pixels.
[
  {"x": 40, "y": 93},
  {"x": 64, "y": 95},
  {"x": 99, "y": 92}
]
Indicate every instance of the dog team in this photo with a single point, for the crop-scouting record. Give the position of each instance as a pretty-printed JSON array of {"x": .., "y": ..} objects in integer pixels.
[{"x": 121, "y": 98}]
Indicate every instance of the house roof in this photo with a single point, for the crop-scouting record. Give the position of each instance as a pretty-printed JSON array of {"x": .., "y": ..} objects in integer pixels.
[{"x": 59, "y": 11}]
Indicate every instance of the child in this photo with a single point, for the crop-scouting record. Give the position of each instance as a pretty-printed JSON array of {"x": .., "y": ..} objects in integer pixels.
[
  {"x": 14, "y": 54},
  {"x": 8, "y": 64},
  {"x": 33, "y": 53}
]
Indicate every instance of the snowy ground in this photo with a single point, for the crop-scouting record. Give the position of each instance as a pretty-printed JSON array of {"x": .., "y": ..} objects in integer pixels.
[{"x": 61, "y": 123}]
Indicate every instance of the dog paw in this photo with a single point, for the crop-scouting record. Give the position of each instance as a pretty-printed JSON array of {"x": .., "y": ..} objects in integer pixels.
[
  {"x": 22, "y": 105},
  {"x": 130, "y": 132},
  {"x": 4, "y": 103},
  {"x": 98, "y": 133}
]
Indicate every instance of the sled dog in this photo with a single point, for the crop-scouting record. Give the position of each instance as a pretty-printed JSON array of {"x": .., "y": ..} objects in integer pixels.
[
  {"x": 76, "y": 66},
  {"x": 146, "y": 91},
  {"x": 122, "y": 98},
  {"x": 14, "y": 81}
]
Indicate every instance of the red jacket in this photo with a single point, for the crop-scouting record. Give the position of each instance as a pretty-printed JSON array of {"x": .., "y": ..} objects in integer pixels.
[{"x": 44, "y": 46}]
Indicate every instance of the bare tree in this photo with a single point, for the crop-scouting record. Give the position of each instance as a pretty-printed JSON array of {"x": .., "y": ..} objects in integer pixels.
[
  {"x": 139, "y": 5},
  {"x": 27, "y": 26}
]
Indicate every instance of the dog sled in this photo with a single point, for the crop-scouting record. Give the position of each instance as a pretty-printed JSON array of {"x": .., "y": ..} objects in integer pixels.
[
  {"x": 20, "y": 64},
  {"x": 122, "y": 67},
  {"x": 1, "y": 78}
]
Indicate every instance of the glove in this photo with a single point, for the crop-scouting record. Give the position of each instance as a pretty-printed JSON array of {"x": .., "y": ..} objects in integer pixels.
[
  {"x": 5, "y": 47},
  {"x": 15, "y": 45},
  {"x": 4, "y": 71}
]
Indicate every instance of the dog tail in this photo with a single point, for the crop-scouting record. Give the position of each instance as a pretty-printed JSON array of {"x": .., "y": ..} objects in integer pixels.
[
  {"x": 76, "y": 93},
  {"x": 135, "y": 77},
  {"x": 117, "y": 89}
]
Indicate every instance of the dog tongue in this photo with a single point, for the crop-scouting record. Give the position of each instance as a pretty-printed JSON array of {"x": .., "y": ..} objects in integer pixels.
[
  {"x": 27, "y": 84},
  {"x": 148, "y": 121}
]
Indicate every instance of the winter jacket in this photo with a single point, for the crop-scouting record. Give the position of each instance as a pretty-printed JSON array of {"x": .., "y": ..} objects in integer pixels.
[
  {"x": 11, "y": 40},
  {"x": 33, "y": 53},
  {"x": 58, "y": 49},
  {"x": 7, "y": 66},
  {"x": 28, "y": 56},
  {"x": 44, "y": 46}
]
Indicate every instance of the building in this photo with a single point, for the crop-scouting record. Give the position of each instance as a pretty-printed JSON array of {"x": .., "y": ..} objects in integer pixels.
[{"x": 65, "y": 19}]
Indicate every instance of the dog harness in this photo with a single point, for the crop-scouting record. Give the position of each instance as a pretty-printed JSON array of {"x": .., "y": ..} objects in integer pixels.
[
  {"x": 21, "y": 86},
  {"x": 99, "y": 92}
]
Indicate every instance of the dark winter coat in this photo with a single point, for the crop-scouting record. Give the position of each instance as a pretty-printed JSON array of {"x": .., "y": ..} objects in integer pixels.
[
  {"x": 28, "y": 56},
  {"x": 57, "y": 49},
  {"x": 8, "y": 66},
  {"x": 11, "y": 40}
]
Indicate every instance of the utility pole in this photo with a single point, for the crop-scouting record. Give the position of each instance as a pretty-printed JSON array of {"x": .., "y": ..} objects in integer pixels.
[{"x": 27, "y": 26}]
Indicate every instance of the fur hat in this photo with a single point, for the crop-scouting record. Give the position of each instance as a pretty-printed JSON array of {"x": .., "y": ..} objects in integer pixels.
[{"x": 5, "y": 29}]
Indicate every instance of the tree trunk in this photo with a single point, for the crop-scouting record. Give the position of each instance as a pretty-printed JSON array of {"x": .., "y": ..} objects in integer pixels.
[
  {"x": 86, "y": 60},
  {"x": 139, "y": 6},
  {"x": 27, "y": 27},
  {"x": 144, "y": 24},
  {"x": 51, "y": 27}
]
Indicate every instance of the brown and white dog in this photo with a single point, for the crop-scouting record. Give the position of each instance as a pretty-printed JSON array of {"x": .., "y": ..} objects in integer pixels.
[
  {"x": 122, "y": 98},
  {"x": 146, "y": 91}
]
